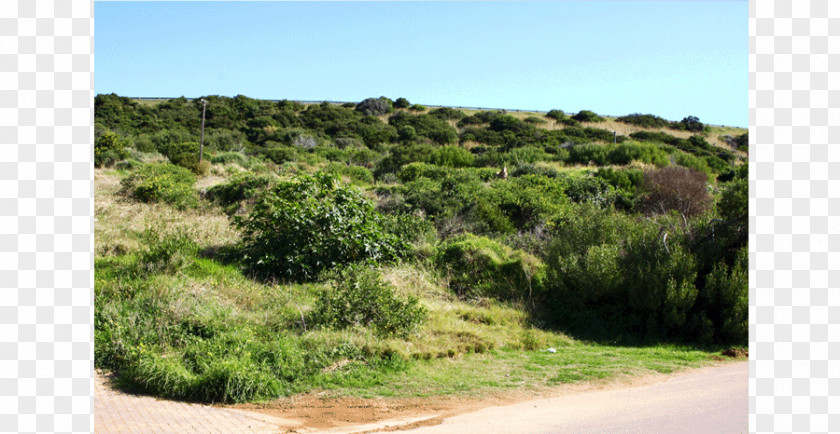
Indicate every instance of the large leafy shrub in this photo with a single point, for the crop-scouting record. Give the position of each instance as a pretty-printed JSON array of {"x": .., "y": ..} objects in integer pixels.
[
  {"x": 480, "y": 267},
  {"x": 359, "y": 297},
  {"x": 299, "y": 228},
  {"x": 108, "y": 149},
  {"x": 185, "y": 155},
  {"x": 161, "y": 182}
]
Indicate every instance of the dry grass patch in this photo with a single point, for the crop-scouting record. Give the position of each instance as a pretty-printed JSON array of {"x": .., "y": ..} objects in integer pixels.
[{"x": 119, "y": 221}]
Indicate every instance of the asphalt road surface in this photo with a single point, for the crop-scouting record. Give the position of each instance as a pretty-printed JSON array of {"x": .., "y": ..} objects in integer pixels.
[{"x": 706, "y": 400}]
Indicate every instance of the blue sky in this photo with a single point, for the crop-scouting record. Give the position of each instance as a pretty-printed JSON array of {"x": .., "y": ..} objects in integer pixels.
[{"x": 672, "y": 59}]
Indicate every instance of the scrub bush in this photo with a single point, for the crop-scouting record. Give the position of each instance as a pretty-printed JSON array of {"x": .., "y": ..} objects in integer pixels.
[
  {"x": 108, "y": 149},
  {"x": 355, "y": 173},
  {"x": 230, "y": 157},
  {"x": 645, "y": 121},
  {"x": 184, "y": 155},
  {"x": 587, "y": 116},
  {"x": 166, "y": 253},
  {"x": 240, "y": 187},
  {"x": 401, "y": 103},
  {"x": 298, "y": 228},
  {"x": 480, "y": 267},
  {"x": 359, "y": 297},
  {"x": 161, "y": 182}
]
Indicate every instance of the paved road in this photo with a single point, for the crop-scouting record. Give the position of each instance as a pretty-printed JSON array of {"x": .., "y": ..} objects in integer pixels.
[{"x": 707, "y": 400}]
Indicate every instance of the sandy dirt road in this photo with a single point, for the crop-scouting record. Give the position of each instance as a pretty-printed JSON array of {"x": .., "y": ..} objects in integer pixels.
[{"x": 700, "y": 401}]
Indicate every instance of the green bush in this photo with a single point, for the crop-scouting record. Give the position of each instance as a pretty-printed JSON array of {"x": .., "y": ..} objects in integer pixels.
[
  {"x": 557, "y": 115},
  {"x": 620, "y": 154},
  {"x": 230, "y": 157},
  {"x": 587, "y": 116},
  {"x": 691, "y": 123},
  {"x": 161, "y": 182},
  {"x": 401, "y": 103},
  {"x": 622, "y": 277},
  {"x": 425, "y": 125},
  {"x": 659, "y": 276},
  {"x": 452, "y": 156},
  {"x": 359, "y": 297},
  {"x": 645, "y": 121},
  {"x": 534, "y": 120},
  {"x": 108, "y": 149},
  {"x": 725, "y": 299},
  {"x": 184, "y": 155},
  {"x": 355, "y": 173},
  {"x": 480, "y": 267},
  {"x": 447, "y": 113},
  {"x": 166, "y": 253},
  {"x": 417, "y": 108},
  {"x": 625, "y": 179},
  {"x": 299, "y": 228},
  {"x": 240, "y": 187}
]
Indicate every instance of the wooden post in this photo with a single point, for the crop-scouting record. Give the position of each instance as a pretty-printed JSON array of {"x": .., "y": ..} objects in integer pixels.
[
  {"x": 201, "y": 144},
  {"x": 615, "y": 137}
]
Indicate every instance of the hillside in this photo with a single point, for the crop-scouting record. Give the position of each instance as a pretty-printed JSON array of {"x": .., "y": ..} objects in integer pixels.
[{"x": 378, "y": 249}]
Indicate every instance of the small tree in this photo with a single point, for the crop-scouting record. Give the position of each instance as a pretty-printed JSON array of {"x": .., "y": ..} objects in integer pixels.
[
  {"x": 692, "y": 123},
  {"x": 678, "y": 189},
  {"x": 402, "y": 103}
]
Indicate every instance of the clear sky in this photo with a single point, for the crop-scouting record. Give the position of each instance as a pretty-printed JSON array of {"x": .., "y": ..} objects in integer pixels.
[{"x": 669, "y": 58}]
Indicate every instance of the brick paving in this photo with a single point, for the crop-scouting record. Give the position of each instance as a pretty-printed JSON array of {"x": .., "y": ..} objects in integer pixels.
[{"x": 118, "y": 412}]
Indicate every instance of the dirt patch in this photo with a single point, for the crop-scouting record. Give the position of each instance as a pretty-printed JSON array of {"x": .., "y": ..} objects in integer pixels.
[
  {"x": 320, "y": 411},
  {"x": 737, "y": 353}
]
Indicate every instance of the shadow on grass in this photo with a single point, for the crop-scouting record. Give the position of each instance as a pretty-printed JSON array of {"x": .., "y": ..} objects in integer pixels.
[{"x": 609, "y": 327}]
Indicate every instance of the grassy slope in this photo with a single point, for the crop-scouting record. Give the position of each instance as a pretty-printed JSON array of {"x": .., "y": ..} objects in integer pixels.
[{"x": 471, "y": 346}]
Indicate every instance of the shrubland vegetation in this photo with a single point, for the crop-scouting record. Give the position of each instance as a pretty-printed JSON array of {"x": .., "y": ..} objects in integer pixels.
[{"x": 352, "y": 246}]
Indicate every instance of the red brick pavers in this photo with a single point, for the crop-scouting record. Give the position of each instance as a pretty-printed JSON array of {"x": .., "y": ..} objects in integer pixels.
[{"x": 118, "y": 412}]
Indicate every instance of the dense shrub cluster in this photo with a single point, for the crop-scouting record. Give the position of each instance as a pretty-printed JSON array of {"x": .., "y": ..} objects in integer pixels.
[
  {"x": 109, "y": 149},
  {"x": 425, "y": 125},
  {"x": 648, "y": 244},
  {"x": 298, "y": 228},
  {"x": 161, "y": 182},
  {"x": 613, "y": 276},
  {"x": 646, "y": 121},
  {"x": 238, "y": 188},
  {"x": 402, "y": 103},
  {"x": 359, "y": 297},
  {"x": 480, "y": 267},
  {"x": 587, "y": 116}
]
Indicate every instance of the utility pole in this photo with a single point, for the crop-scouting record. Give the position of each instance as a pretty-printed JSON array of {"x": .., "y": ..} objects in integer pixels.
[{"x": 201, "y": 145}]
